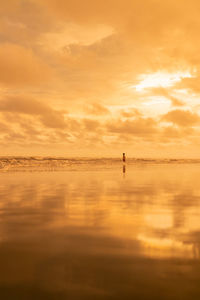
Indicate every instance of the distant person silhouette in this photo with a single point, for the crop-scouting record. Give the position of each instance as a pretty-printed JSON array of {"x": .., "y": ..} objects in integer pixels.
[{"x": 124, "y": 157}]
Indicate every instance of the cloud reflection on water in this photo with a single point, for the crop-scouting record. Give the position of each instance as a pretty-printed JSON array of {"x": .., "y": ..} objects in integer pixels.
[{"x": 100, "y": 235}]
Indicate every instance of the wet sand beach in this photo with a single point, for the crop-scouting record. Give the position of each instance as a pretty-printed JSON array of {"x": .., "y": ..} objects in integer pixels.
[{"x": 96, "y": 232}]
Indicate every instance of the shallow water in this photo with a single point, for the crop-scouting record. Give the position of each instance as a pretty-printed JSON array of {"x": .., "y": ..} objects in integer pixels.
[{"x": 113, "y": 233}]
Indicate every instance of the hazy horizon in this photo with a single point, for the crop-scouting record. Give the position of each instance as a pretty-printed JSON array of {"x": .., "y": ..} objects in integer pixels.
[{"x": 102, "y": 157}]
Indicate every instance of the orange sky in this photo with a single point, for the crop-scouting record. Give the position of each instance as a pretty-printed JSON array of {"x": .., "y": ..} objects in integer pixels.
[{"x": 100, "y": 77}]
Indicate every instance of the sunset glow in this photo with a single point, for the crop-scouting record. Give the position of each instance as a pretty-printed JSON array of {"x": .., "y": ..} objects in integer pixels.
[{"x": 96, "y": 78}]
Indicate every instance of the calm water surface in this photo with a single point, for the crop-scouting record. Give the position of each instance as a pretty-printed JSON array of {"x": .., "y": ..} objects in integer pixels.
[{"x": 101, "y": 234}]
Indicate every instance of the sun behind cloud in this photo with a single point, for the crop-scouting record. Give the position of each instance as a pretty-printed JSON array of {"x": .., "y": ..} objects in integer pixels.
[{"x": 160, "y": 79}]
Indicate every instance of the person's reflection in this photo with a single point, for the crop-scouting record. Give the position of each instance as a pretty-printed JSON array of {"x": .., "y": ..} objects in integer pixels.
[{"x": 124, "y": 170}]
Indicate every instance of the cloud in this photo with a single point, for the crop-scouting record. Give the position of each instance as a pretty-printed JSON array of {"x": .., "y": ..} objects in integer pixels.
[
  {"x": 96, "y": 109},
  {"x": 29, "y": 106},
  {"x": 177, "y": 134},
  {"x": 4, "y": 128},
  {"x": 139, "y": 127},
  {"x": 166, "y": 93},
  {"x": 130, "y": 113},
  {"x": 20, "y": 66},
  {"x": 91, "y": 125},
  {"x": 73, "y": 34},
  {"x": 182, "y": 118},
  {"x": 193, "y": 84}
]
